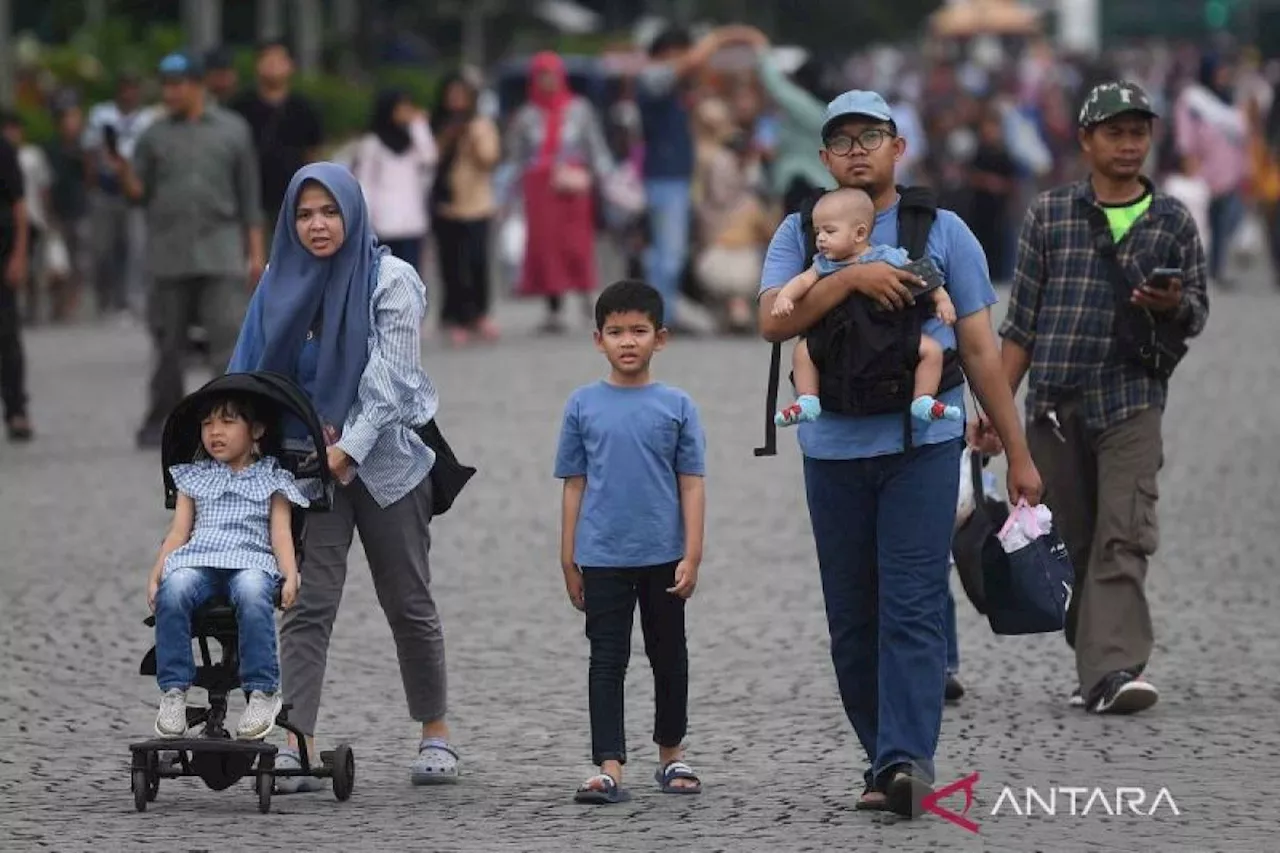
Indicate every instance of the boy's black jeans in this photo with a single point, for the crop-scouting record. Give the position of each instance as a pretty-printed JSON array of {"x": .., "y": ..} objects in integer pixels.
[{"x": 611, "y": 596}]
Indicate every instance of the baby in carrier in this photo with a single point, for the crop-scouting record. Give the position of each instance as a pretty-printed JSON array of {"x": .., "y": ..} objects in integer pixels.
[{"x": 842, "y": 222}]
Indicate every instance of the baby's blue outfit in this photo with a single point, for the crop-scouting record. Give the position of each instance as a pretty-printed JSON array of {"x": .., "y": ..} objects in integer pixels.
[
  {"x": 233, "y": 514},
  {"x": 894, "y": 255}
]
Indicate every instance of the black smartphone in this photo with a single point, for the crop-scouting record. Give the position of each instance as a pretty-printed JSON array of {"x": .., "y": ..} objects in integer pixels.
[
  {"x": 1162, "y": 277},
  {"x": 110, "y": 139}
]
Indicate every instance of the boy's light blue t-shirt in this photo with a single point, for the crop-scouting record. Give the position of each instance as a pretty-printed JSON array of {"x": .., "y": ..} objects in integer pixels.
[
  {"x": 630, "y": 443},
  {"x": 963, "y": 264}
]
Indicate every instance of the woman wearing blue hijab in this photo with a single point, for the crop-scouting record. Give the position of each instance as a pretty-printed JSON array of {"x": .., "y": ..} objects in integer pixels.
[{"x": 342, "y": 317}]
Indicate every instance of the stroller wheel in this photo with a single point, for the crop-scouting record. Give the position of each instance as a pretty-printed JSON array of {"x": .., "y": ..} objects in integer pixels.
[
  {"x": 141, "y": 786},
  {"x": 153, "y": 770},
  {"x": 265, "y": 783},
  {"x": 344, "y": 772}
]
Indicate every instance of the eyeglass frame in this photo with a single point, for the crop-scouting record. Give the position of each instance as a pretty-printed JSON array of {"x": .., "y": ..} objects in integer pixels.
[{"x": 883, "y": 134}]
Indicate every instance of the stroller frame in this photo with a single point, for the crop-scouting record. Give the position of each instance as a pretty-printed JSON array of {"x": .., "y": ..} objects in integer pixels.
[{"x": 214, "y": 755}]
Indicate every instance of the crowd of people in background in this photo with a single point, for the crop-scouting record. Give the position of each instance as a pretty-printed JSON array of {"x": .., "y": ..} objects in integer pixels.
[{"x": 684, "y": 168}]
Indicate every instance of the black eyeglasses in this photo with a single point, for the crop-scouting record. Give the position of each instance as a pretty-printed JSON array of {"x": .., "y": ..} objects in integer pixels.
[{"x": 868, "y": 140}]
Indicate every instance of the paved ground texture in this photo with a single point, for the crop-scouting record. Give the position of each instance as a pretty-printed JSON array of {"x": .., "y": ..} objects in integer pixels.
[{"x": 81, "y": 515}]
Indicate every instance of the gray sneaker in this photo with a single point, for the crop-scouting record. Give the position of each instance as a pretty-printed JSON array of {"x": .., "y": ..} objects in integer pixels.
[
  {"x": 172, "y": 719},
  {"x": 259, "y": 716}
]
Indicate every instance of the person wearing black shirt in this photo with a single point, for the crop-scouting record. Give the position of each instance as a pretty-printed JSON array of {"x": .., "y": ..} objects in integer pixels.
[
  {"x": 13, "y": 265},
  {"x": 992, "y": 180},
  {"x": 220, "y": 79},
  {"x": 286, "y": 126}
]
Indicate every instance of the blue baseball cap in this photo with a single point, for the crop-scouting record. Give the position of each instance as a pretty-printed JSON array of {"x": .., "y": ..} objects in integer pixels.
[
  {"x": 855, "y": 102},
  {"x": 181, "y": 64}
]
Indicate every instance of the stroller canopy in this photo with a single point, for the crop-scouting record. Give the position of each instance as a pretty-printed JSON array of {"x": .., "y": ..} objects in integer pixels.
[{"x": 281, "y": 398}]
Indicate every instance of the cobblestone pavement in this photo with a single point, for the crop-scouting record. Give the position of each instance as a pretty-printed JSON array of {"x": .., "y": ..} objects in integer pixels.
[{"x": 81, "y": 515}]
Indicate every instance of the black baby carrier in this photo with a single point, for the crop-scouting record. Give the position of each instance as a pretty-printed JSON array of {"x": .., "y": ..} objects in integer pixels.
[{"x": 866, "y": 357}]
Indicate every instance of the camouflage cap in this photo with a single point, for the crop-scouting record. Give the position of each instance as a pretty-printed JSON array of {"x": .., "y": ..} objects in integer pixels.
[{"x": 1108, "y": 100}]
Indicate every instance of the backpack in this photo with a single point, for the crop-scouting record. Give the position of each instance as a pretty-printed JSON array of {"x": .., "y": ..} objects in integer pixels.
[{"x": 866, "y": 357}]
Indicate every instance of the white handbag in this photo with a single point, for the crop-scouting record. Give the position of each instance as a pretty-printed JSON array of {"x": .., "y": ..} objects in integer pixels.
[{"x": 57, "y": 260}]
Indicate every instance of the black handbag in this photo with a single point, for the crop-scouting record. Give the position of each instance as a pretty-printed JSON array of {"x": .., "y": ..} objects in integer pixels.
[
  {"x": 973, "y": 539},
  {"x": 448, "y": 475}
]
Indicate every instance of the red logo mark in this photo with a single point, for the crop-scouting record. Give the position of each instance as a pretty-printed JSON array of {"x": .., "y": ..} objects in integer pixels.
[{"x": 967, "y": 784}]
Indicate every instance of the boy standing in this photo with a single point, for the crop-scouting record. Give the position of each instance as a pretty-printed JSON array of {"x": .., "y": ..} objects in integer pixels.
[{"x": 632, "y": 457}]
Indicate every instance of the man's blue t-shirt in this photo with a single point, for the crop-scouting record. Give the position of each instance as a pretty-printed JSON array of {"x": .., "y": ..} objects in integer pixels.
[
  {"x": 963, "y": 264},
  {"x": 631, "y": 443}
]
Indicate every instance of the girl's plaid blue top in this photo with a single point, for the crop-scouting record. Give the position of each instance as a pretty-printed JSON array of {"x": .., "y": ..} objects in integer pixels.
[{"x": 232, "y": 527}]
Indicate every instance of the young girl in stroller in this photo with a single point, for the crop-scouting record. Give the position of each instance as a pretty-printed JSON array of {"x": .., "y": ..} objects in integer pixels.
[{"x": 231, "y": 537}]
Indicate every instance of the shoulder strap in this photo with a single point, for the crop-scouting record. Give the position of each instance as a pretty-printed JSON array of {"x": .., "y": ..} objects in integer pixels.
[
  {"x": 770, "y": 447},
  {"x": 1105, "y": 245},
  {"x": 917, "y": 211},
  {"x": 806, "y": 224}
]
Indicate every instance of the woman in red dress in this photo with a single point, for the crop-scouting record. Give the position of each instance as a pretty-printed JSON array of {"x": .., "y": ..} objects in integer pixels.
[{"x": 556, "y": 143}]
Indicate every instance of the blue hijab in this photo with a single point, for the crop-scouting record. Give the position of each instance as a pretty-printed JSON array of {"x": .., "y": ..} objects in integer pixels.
[{"x": 297, "y": 287}]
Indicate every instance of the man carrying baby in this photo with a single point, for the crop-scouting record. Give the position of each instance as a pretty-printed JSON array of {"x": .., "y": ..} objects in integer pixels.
[
  {"x": 842, "y": 221},
  {"x": 882, "y": 511}
]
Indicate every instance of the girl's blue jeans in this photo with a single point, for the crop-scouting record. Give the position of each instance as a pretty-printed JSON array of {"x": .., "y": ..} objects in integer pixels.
[{"x": 251, "y": 592}]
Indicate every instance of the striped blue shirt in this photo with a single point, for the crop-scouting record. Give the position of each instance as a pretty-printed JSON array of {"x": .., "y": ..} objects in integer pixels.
[{"x": 395, "y": 394}]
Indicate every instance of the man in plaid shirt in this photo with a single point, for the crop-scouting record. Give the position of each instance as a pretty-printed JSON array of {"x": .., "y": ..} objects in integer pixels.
[{"x": 1093, "y": 414}]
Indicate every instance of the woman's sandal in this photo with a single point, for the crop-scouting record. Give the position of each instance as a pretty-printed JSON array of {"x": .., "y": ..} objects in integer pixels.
[
  {"x": 289, "y": 759},
  {"x": 673, "y": 770},
  {"x": 601, "y": 790},
  {"x": 436, "y": 764}
]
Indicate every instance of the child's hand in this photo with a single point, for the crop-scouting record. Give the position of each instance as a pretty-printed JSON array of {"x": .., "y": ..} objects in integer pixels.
[
  {"x": 153, "y": 584},
  {"x": 947, "y": 312},
  {"x": 289, "y": 591},
  {"x": 686, "y": 579},
  {"x": 573, "y": 586},
  {"x": 782, "y": 306}
]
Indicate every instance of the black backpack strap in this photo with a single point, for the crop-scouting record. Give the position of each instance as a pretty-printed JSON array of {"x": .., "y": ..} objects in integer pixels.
[
  {"x": 806, "y": 224},
  {"x": 917, "y": 211},
  {"x": 770, "y": 448}
]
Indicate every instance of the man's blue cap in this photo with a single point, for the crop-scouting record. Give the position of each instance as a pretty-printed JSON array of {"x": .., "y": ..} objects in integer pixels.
[
  {"x": 855, "y": 102},
  {"x": 181, "y": 64}
]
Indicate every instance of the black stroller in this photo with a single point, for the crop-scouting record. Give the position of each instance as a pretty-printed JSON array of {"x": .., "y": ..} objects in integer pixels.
[{"x": 213, "y": 754}]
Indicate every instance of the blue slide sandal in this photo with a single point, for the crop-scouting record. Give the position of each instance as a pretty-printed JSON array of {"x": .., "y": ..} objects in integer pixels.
[
  {"x": 674, "y": 770},
  {"x": 601, "y": 790}
]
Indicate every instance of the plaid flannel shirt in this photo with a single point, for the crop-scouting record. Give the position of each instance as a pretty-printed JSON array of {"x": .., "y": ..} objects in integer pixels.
[{"x": 1062, "y": 308}]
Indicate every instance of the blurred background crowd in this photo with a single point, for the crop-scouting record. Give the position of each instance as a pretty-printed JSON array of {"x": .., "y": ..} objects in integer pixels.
[{"x": 435, "y": 111}]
